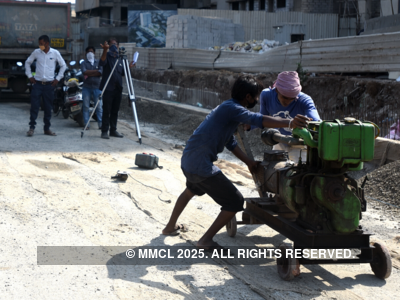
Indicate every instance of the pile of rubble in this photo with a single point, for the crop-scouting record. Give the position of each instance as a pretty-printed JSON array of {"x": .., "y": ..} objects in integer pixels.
[{"x": 252, "y": 46}]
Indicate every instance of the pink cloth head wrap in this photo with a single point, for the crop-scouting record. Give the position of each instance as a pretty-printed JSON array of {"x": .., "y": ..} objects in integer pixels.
[{"x": 288, "y": 84}]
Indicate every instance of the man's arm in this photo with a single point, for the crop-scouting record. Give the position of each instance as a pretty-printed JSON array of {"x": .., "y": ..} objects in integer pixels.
[
  {"x": 103, "y": 58},
  {"x": 232, "y": 146},
  {"x": 28, "y": 70},
  {"x": 89, "y": 73},
  {"x": 251, "y": 164},
  {"x": 63, "y": 67},
  {"x": 242, "y": 115},
  {"x": 92, "y": 73},
  {"x": 299, "y": 121}
]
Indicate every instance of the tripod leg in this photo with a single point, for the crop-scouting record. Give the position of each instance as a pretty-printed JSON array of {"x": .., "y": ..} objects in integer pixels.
[{"x": 131, "y": 92}]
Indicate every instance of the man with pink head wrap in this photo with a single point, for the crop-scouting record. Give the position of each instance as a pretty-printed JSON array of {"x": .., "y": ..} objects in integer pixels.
[
  {"x": 288, "y": 84},
  {"x": 286, "y": 100}
]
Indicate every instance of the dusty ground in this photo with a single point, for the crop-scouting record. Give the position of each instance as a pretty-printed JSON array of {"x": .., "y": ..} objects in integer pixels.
[{"x": 57, "y": 191}]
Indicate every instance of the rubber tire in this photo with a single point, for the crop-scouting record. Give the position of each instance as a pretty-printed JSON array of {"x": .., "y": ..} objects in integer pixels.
[
  {"x": 231, "y": 227},
  {"x": 288, "y": 267},
  {"x": 65, "y": 113},
  {"x": 19, "y": 85},
  {"x": 56, "y": 106},
  {"x": 382, "y": 267},
  {"x": 79, "y": 119}
]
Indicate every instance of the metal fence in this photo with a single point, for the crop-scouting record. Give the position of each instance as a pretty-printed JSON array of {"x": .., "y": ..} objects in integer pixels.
[
  {"x": 366, "y": 53},
  {"x": 259, "y": 24}
]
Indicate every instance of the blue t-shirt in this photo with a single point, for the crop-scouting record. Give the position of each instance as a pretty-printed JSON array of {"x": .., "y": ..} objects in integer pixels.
[
  {"x": 303, "y": 105},
  {"x": 213, "y": 134}
]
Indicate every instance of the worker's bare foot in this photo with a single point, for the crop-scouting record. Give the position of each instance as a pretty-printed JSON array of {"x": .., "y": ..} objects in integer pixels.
[{"x": 175, "y": 230}]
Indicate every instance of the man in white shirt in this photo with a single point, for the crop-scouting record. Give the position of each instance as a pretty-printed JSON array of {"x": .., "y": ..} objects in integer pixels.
[{"x": 43, "y": 83}]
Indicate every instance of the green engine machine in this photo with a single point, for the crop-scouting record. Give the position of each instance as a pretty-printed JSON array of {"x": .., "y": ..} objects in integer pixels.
[
  {"x": 315, "y": 203},
  {"x": 319, "y": 190}
]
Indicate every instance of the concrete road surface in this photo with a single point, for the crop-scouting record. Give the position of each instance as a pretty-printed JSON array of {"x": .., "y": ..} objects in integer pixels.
[{"x": 58, "y": 191}]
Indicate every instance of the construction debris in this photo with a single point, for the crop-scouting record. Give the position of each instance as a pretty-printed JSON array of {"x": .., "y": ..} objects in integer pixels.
[{"x": 252, "y": 46}]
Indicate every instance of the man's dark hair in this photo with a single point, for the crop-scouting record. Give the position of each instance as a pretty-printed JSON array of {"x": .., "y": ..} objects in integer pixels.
[
  {"x": 44, "y": 38},
  {"x": 90, "y": 47},
  {"x": 112, "y": 39},
  {"x": 246, "y": 84}
]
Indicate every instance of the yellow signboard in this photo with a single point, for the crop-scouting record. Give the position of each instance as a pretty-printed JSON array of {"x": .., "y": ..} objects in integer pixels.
[
  {"x": 57, "y": 43},
  {"x": 3, "y": 82}
]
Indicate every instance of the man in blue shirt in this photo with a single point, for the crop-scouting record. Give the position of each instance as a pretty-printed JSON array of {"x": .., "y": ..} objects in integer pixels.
[
  {"x": 92, "y": 71},
  {"x": 209, "y": 139},
  {"x": 286, "y": 100},
  {"x": 113, "y": 94}
]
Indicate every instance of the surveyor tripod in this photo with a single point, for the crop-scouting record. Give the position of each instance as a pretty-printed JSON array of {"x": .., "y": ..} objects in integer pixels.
[{"x": 124, "y": 60}]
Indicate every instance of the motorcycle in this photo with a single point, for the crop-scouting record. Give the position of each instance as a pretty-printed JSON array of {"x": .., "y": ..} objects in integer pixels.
[{"x": 68, "y": 98}]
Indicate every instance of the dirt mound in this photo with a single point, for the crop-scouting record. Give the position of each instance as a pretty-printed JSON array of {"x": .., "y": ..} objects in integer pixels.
[{"x": 384, "y": 185}]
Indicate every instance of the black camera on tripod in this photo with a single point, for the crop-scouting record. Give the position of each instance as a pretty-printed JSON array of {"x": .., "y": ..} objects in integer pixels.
[{"x": 122, "y": 51}]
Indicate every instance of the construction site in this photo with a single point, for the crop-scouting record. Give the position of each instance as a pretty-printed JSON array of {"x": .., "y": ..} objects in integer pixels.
[{"x": 75, "y": 204}]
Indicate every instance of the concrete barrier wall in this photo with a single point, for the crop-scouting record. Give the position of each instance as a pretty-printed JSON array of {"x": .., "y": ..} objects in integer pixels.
[
  {"x": 368, "y": 53},
  {"x": 194, "y": 59}
]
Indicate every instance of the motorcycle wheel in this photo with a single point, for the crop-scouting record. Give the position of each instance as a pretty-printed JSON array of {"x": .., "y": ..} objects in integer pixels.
[
  {"x": 56, "y": 107},
  {"x": 79, "y": 119},
  {"x": 65, "y": 113}
]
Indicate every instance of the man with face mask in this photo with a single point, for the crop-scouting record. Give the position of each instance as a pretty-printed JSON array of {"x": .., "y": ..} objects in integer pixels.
[
  {"x": 113, "y": 94},
  {"x": 44, "y": 83},
  {"x": 92, "y": 71},
  {"x": 213, "y": 135}
]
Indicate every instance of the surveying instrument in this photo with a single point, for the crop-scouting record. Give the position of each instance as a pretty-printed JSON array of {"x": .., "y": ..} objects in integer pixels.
[{"x": 122, "y": 58}]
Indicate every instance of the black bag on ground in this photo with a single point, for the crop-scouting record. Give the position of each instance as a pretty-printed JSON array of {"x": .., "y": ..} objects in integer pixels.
[{"x": 147, "y": 161}]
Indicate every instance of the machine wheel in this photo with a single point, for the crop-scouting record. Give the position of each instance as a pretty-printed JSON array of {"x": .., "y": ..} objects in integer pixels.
[
  {"x": 231, "y": 227},
  {"x": 382, "y": 265},
  {"x": 288, "y": 267}
]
